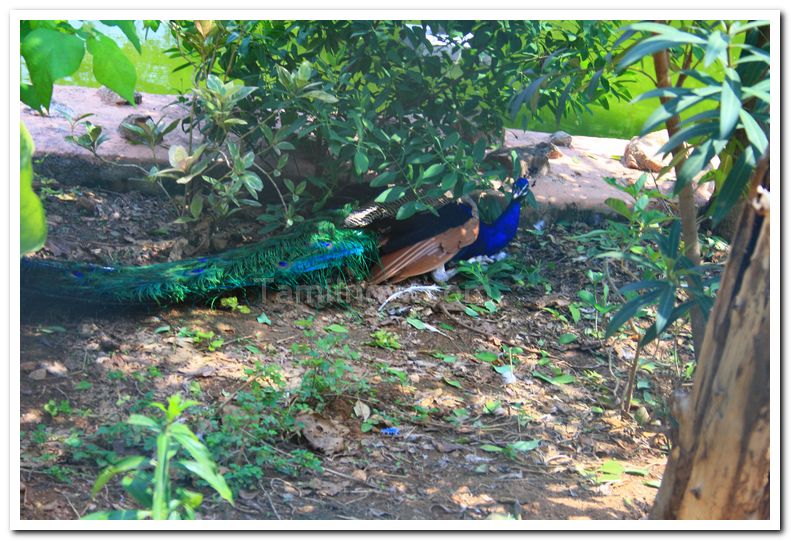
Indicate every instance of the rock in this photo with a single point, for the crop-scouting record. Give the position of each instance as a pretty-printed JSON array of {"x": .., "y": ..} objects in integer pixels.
[
  {"x": 561, "y": 139},
  {"x": 533, "y": 159},
  {"x": 637, "y": 155},
  {"x": 322, "y": 434},
  {"x": 137, "y": 120},
  {"x": 111, "y": 98},
  {"x": 39, "y": 374},
  {"x": 88, "y": 205}
]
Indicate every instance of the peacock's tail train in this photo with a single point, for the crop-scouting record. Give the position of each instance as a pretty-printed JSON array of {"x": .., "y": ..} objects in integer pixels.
[{"x": 315, "y": 254}]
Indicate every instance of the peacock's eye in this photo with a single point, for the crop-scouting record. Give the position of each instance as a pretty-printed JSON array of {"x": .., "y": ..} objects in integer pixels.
[
  {"x": 198, "y": 270},
  {"x": 283, "y": 264},
  {"x": 78, "y": 274},
  {"x": 203, "y": 259},
  {"x": 326, "y": 244}
]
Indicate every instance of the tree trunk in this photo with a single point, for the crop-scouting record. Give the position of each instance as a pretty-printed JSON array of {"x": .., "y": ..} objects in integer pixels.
[
  {"x": 686, "y": 198},
  {"x": 719, "y": 464}
]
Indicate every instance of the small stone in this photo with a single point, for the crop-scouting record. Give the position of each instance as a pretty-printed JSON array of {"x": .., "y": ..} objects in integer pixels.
[
  {"x": 637, "y": 155},
  {"x": 561, "y": 139},
  {"x": 39, "y": 374},
  {"x": 111, "y": 98},
  {"x": 102, "y": 360}
]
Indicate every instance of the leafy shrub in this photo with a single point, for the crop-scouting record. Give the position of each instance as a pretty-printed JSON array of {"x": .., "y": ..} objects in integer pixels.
[{"x": 410, "y": 108}]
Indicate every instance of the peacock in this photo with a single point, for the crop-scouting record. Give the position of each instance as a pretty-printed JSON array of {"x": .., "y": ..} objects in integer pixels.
[{"x": 370, "y": 245}]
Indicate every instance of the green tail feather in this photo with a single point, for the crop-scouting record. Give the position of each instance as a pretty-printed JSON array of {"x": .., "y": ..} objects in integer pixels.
[{"x": 315, "y": 255}]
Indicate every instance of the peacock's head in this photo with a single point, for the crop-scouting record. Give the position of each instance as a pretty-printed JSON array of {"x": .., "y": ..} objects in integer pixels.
[{"x": 521, "y": 188}]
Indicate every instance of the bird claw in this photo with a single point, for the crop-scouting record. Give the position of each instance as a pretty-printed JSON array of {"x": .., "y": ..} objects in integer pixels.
[
  {"x": 440, "y": 275},
  {"x": 488, "y": 260}
]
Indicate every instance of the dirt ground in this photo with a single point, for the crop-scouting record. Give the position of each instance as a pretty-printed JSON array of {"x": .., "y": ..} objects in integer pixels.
[{"x": 471, "y": 441}]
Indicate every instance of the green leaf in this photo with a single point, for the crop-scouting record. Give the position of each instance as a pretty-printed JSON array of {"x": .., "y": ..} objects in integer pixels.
[
  {"x": 642, "y": 472},
  {"x": 716, "y": 49},
  {"x": 141, "y": 420},
  {"x": 525, "y": 446},
  {"x": 338, "y": 329},
  {"x": 470, "y": 312},
  {"x": 575, "y": 312},
  {"x": 196, "y": 207},
  {"x": 163, "y": 328},
  {"x": 694, "y": 164},
  {"x": 652, "y": 483},
  {"x": 125, "y": 465},
  {"x": 33, "y": 222},
  {"x": 487, "y": 356},
  {"x": 654, "y": 44},
  {"x": 562, "y": 379},
  {"x": 491, "y": 448},
  {"x": 452, "y": 382},
  {"x": 566, "y": 338},
  {"x": 666, "y": 304},
  {"x": 360, "y": 162},
  {"x": 408, "y": 209},
  {"x": 478, "y": 150},
  {"x": 50, "y": 55},
  {"x": 384, "y": 179},
  {"x": 734, "y": 184},
  {"x": 754, "y": 132},
  {"x": 264, "y": 319},
  {"x": 730, "y": 103},
  {"x": 586, "y": 296},
  {"x": 208, "y": 472},
  {"x": 129, "y": 30},
  {"x": 416, "y": 323},
  {"x": 619, "y": 206},
  {"x": 111, "y": 67},
  {"x": 320, "y": 95},
  {"x": 433, "y": 170},
  {"x": 612, "y": 467},
  {"x": 126, "y": 514},
  {"x": 629, "y": 309},
  {"x": 667, "y": 110},
  {"x": 391, "y": 194}
]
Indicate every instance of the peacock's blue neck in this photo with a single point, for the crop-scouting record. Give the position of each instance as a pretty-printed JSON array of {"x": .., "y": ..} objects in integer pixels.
[{"x": 494, "y": 237}]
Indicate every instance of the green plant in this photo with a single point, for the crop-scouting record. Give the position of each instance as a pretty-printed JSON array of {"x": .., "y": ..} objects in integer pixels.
[
  {"x": 233, "y": 304},
  {"x": 382, "y": 338},
  {"x": 56, "y": 408},
  {"x": 732, "y": 120},
  {"x": 148, "y": 132},
  {"x": 489, "y": 277},
  {"x": 512, "y": 450},
  {"x": 155, "y": 492},
  {"x": 33, "y": 222},
  {"x": 200, "y": 337},
  {"x": 408, "y": 106},
  {"x": 594, "y": 301},
  {"x": 51, "y": 50},
  {"x": 91, "y": 139}
]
